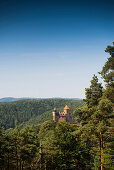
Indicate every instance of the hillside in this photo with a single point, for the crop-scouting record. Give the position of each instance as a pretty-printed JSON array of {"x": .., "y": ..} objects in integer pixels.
[{"x": 32, "y": 111}]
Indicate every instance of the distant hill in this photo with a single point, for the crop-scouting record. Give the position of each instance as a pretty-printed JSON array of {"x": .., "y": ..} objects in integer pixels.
[
  {"x": 8, "y": 99},
  {"x": 32, "y": 111},
  {"x": 12, "y": 99}
]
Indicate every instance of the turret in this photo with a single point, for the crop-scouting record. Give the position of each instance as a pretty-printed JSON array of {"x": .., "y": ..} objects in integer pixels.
[
  {"x": 66, "y": 110},
  {"x": 54, "y": 114}
]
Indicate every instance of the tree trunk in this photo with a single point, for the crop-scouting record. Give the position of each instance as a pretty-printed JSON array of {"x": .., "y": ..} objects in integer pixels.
[
  {"x": 8, "y": 160},
  {"x": 20, "y": 164},
  {"x": 45, "y": 164},
  {"x": 101, "y": 152}
]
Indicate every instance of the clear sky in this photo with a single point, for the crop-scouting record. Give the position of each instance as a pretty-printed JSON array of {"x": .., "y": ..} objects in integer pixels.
[{"x": 53, "y": 48}]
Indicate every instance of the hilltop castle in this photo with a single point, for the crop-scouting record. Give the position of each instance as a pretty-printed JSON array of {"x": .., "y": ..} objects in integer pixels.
[{"x": 62, "y": 116}]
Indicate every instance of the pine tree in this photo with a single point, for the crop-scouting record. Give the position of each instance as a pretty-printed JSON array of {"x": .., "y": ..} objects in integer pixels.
[
  {"x": 108, "y": 73},
  {"x": 96, "y": 116},
  {"x": 94, "y": 93},
  {"x": 107, "y": 105}
]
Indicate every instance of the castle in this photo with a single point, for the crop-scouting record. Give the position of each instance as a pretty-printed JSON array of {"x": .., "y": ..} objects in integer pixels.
[{"x": 62, "y": 116}]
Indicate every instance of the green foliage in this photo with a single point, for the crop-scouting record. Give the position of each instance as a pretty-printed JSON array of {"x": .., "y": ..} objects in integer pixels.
[
  {"x": 108, "y": 73},
  {"x": 94, "y": 93},
  {"x": 53, "y": 145},
  {"x": 19, "y": 148},
  {"x": 59, "y": 141}
]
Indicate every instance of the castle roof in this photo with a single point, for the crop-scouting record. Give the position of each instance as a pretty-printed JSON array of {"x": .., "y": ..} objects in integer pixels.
[{"x": 66, "y": 108}]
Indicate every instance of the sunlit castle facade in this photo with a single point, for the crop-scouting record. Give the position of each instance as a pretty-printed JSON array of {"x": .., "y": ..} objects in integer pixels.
[{"x": 62, "y": 116}]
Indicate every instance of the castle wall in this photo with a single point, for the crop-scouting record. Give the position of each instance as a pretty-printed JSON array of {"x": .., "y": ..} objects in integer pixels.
[{"x": 62, "y": 118}]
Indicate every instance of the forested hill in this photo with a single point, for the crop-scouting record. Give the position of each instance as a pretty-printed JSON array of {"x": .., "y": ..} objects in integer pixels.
[{"x": 32, "y": 111}]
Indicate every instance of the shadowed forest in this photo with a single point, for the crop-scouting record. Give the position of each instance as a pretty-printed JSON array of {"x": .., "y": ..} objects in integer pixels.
[{"x": 30, "y": 140}]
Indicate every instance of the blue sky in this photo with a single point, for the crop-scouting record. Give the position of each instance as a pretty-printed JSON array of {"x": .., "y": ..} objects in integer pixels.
[{"x": 53, "y": 48}]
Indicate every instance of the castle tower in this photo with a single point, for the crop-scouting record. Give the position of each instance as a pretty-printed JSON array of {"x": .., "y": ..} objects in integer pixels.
[
  {"x": 67, "y": 113},
  {"x": 66, "y": 110},
  {"x": 54, "y": 114}
]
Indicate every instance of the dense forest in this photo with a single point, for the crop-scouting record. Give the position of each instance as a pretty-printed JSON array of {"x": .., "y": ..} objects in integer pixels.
[
  {"x": 61, "y": 145},
  {"x": 32, "y": 111}
]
